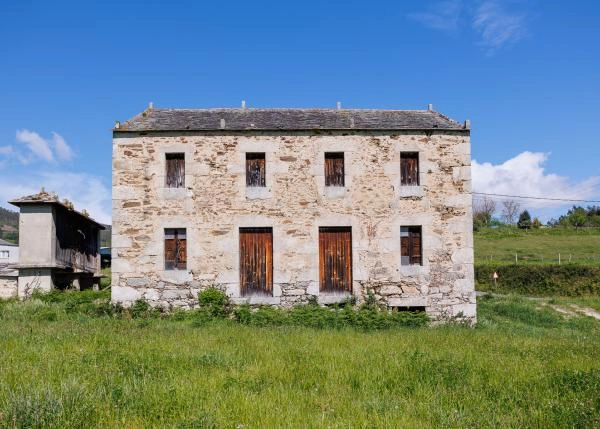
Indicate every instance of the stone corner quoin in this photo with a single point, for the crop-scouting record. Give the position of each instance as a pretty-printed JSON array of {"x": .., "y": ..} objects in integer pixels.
[{"x": 215, "y": 215}]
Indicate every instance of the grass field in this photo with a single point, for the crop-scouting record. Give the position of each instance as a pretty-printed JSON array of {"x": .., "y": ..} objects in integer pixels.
[
  {"x": 537, "y": 246},
  {"x": 524, "y": 365}
]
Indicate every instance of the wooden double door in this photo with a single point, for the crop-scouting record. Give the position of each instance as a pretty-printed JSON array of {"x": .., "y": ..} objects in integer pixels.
[{"x": 256, "y": 260}]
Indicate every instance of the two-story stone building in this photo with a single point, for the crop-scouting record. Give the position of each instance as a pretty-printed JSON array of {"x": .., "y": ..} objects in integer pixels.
[{"x": 281, "y": 206}]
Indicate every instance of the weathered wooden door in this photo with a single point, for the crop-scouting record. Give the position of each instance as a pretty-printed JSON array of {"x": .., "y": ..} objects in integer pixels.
[
  {"x": 335, "y": 259},
  {"x": 256, "y": 261}
]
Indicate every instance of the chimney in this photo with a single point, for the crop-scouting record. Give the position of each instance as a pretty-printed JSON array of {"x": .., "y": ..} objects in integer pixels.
[
  {"x": 339, "y": 105},
  {"x": 430, "y": 107}
]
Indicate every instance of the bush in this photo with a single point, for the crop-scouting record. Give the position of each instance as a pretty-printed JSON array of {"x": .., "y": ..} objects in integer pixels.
[
  {"x": 142, "y": 310},
  {"x": 313, "y": 316},
  {"x": 539, "y": 280},
  {"x": 214, "y": 302}
]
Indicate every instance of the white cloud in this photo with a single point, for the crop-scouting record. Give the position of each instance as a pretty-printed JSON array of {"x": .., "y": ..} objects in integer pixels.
[
  {"x": 524, "y": 175},
  {"x": 492, "y": 22},
  {"x": 84, "y": 190},
  {"x": 443, "y": 15},
  {"x": 496, "y": 26},
  {"x": 62, "y": 149},
  {"x": 39, "y": 148}
]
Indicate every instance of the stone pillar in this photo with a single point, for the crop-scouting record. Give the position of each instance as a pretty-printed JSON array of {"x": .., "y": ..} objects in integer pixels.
[{"x": 31, "y": 279}]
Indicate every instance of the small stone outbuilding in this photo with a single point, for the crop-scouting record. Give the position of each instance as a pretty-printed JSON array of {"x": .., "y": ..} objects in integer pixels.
[
  {"x": 285, "y": 206},
  {"x": 59, "y": 246}
]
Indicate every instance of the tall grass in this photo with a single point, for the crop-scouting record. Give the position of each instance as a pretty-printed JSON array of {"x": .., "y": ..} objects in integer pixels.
[{"x": 66, "y": 365}]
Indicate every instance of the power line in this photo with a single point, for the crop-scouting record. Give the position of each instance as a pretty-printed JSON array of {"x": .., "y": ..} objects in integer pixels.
[{"x": 536, "y": 198}]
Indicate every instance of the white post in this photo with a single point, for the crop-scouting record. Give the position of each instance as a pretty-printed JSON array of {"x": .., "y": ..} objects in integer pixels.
[
  {"x": 516, "y": 259},
  {"x": 559, "y": 259}
]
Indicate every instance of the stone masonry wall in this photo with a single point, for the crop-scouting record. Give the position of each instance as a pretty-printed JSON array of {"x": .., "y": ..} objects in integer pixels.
[
  {"x": 215, "y": 203},
  {"x": 8, "y": 286}
]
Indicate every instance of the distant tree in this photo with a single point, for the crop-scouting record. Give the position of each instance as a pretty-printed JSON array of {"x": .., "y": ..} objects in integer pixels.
[
  {"x": 483, "y": 211},
  {"x": 510, "y": 210},
  {"x": 578, "y": 217},
  {"x": 536, "y": 224},
  {"x": 524, "y": 220}
]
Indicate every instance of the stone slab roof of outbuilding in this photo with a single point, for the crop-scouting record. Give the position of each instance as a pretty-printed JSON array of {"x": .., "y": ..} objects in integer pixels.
[
  {"x": 44, "y": 197},
  {"x": 154, "y": 119}
]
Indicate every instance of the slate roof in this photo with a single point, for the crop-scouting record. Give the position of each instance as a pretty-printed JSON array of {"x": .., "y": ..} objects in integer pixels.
[
  {"x": 286, "y": 119},
  {"x": 44, "y": 197}
]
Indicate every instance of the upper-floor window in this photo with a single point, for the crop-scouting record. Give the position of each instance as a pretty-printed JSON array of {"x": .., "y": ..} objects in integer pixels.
[
  {"x": 175, "y": 249},
  {"x": 4, "y": 254},
  {"x": 175, "y": 174},
  {"x": 255, "y": 169},
  {"x": 334, "y": 168},
  {"x": 410, "y": 245},
  {"x": 409, "y": 168}
]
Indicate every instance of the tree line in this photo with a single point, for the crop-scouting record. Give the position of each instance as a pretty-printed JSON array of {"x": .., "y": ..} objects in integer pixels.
[{"x": 510, "y": 213}]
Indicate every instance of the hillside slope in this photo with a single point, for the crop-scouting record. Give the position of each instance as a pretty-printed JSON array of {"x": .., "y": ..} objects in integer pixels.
[{"x": 541, "y": 246}]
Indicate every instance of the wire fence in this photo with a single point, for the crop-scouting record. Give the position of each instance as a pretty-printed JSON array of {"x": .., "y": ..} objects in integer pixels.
[{"x": 558, "y": 258}]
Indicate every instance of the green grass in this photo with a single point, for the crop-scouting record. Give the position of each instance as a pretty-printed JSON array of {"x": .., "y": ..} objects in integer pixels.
[
  {"x": 105, "y": 280},
  {"x": 63, "y": 364},
  {"x": 537, "y": 246}
]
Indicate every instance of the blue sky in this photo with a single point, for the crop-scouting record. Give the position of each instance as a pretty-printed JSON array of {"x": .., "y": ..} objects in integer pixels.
[{"x": 526, "y": 73}]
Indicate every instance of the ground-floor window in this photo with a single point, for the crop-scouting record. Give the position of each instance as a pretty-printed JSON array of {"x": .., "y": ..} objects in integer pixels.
[
  {"x": 410, "y": 244},
  {"x": 175, "y": 249}
]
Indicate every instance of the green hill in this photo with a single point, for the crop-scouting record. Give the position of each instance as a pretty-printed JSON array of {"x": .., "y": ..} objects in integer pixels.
[
  {"x": 538, "y": 246},
  {"x": 9, "y": 225}
]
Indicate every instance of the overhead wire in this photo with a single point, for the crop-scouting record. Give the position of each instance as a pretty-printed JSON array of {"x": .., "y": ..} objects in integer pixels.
[{"x": 536, "y": 198}]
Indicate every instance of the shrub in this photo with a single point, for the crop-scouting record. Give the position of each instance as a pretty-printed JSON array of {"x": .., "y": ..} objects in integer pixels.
[
  {"x": 142, "y": 310},
  {"x": 242, "y": 314},
  {"x": 313, "y": 316},
  {"x": 214, "y": 302}
]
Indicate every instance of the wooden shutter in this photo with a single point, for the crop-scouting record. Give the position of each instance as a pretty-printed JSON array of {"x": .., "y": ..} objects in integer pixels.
[
  {"x": 409, "y": 168},
  {"x": 256, "y": 261},
  {"x": 334, "y": 169},
  {"x": 175, "y": 174},
  {"x": 335, "y": 259},
  {"x": 255, "y": 169},
  {"x": 415, "y": 245},
  {"x": 410, "y": 245},
  {"x": 175, "y": 249}
]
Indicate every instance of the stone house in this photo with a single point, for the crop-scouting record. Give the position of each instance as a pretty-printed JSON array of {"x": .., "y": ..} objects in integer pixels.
[
  {"x": 285, "y": 206},
  {"x": 9, "y": 257},
  {"x": 9, "y": 252}
]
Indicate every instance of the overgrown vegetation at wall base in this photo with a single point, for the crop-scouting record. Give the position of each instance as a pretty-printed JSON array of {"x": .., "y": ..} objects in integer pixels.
[
  {"x": 214, "y": 306},
  {"x": 539, "y": 280},
  {"x": 64, "y": 364}
]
